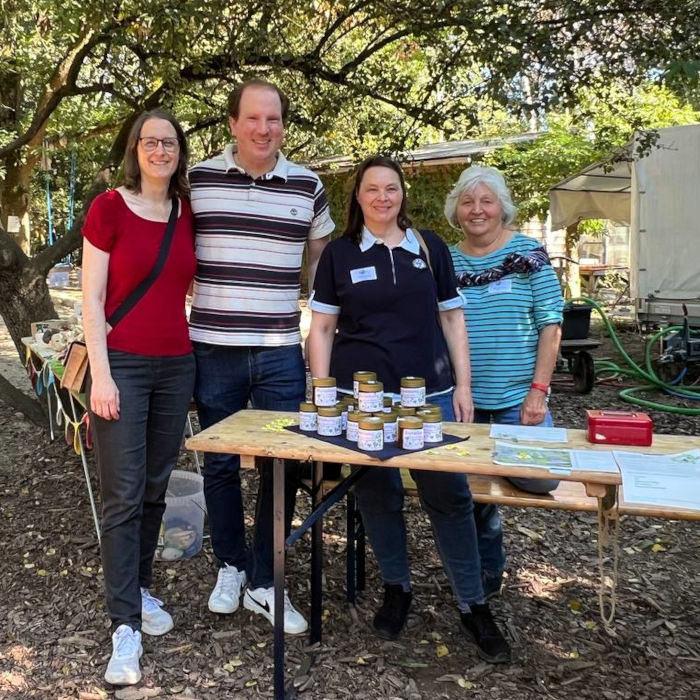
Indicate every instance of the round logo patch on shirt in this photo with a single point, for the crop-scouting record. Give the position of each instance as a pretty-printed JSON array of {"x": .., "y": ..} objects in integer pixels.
[
  {"x": 419, "y": 263},
  {"x": 293, "y": 212}
]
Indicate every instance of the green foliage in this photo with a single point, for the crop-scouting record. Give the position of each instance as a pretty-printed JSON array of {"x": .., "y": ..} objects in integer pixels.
[
  {"x": 605, "y": 120},
  {"x": 363, "y": 77}
]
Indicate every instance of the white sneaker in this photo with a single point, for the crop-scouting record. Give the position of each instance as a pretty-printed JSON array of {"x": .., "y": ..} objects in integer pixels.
[
  {"x": 154, "y": 620},
  {"x": 123, "y": 667},
  {"x": 227, "y": 593},
  {"x": 262, "y": 600}
]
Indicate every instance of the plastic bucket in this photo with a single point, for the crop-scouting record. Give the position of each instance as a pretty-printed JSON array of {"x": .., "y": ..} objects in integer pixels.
[
  {"x": 577, "y": 321},
  {"x": 183, "y": 521}
]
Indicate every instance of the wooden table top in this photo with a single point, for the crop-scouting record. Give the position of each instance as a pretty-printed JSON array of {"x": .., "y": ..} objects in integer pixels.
[{"x": 255, "y": 433}]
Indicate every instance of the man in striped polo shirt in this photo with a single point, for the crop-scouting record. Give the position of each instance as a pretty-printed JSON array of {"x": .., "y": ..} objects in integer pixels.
[{"x": 254, "y": 214}]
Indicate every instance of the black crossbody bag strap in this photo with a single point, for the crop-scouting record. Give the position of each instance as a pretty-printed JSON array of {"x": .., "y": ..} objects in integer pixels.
[{"x": 144, "y": 285}]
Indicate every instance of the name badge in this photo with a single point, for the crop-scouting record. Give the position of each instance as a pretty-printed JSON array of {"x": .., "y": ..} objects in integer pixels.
[
  {"x": 363, "y": 274},
  {"x": 500, "y": 286}
]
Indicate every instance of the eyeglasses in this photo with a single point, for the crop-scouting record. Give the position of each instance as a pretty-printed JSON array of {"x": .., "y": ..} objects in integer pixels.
[{"x": 150, "y": 144}]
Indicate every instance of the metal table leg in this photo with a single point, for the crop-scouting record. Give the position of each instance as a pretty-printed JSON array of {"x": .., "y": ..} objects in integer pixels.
[
  {"x": 278, "y": 565},
  {"x": 316, "y": 557}
]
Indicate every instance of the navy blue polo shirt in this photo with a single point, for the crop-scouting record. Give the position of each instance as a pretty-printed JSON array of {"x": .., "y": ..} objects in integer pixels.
[{"x": 387, "y": 302}]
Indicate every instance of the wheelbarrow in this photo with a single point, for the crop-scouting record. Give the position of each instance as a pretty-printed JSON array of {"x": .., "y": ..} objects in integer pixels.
[{"x": 574, "y": 351}]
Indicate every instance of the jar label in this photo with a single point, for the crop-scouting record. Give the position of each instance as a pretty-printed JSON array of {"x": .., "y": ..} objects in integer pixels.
[
  {"x": 330, "y": 426},
  {"x": 344, "y": 420},
  {"x": 325, "y": 395},
  {"x": 412, "y": 396},
  {"x": 355, "y": 388},
  {"x": 391, "y": 432},
  {"x": 308, "y": 421},
  {"x": 432, "y": 432},
  {"x": 370, "y": 439},
  {"x": 371, "y": 402},
  {"x": 412, "y": 439},
  {"x": 352, "y": 429}
]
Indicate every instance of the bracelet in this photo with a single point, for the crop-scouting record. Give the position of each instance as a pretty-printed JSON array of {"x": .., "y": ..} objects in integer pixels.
[{"x": 540, "y": 387}]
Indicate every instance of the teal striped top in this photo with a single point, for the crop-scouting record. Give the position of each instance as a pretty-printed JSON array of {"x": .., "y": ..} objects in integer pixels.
[{"x": 503, "y": 320}]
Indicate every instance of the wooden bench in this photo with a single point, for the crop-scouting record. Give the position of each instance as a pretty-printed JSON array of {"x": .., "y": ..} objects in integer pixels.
[{"x": 569, "y": 495}]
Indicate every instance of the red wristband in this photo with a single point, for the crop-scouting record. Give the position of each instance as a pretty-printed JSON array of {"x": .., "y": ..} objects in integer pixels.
[{"x": 540, "y": 387}]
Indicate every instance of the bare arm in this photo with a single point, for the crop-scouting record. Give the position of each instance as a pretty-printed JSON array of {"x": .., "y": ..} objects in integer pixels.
[
  {"x": 104, "y": 395},
  {"x": 458, "y": 346},
  {"x": 534, "y": 407},
  {"x": 314, "y": 248},
  {"x": 320, "y": 342}
]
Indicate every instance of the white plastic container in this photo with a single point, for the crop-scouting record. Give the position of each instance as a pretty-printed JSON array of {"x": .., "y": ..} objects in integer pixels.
[{"x": 183, "y": 521}]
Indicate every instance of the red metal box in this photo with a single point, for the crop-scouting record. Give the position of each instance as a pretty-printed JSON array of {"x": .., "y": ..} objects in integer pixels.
[{"x": 619, "y": 427}]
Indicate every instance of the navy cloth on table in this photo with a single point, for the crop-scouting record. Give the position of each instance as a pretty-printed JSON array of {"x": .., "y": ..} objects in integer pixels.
[{"x": 389, "y": 451}]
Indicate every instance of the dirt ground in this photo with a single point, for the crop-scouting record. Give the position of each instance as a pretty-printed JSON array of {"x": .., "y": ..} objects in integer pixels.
[{"x": 54, "y": 639}]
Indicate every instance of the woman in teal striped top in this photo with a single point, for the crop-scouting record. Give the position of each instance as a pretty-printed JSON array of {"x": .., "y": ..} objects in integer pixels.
[{"x": 512, "y": 305}]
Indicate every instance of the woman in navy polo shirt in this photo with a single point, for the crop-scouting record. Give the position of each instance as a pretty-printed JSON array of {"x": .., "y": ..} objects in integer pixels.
[{"x": 397, "y": 317}]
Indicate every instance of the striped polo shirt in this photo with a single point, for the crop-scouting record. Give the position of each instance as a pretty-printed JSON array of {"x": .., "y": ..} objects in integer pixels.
[
  {"x": 250, "y": 236},
  {"x": 503, "y": 321}
]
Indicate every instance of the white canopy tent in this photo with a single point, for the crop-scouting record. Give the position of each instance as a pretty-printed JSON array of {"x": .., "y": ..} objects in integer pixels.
[
  {"x": 658, "y": 197},
  {"x": 599, "y": 191}
]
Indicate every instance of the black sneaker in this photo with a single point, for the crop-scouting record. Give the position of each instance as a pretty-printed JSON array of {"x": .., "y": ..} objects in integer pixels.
[
  {"x": 391, "y": 617},
  {"x": 491, "y": 645},
  {"x": 492, "y": 585}
]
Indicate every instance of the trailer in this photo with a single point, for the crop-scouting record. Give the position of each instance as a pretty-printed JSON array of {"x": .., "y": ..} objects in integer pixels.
[{"x": 658, "y": 197}]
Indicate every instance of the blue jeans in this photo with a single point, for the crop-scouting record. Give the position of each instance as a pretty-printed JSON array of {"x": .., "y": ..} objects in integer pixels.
[
  {"x": 228, "y": 377},
  {"x": 446, "y": 498},
  {"x": 488, "y": 520},
  {"x": 135, "y": 455}
]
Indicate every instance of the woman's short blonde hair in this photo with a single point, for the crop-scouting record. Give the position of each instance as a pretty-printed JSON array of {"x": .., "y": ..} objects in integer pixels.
[{"x": 469, "y": 179}]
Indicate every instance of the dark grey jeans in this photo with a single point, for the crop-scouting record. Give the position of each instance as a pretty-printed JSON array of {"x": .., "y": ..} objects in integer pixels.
[{"x": 135, "y": 455}]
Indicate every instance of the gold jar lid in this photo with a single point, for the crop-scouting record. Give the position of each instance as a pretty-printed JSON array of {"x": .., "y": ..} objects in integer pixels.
[
  {"x": 342, "y": 406},
  {"x": 431, "y": 416},
  {"x": 329, "y": 411},
  {"x": 307, "y": 407},
  {"x": 371, "y": 423},
  {"x": 410, "y": 422},
  {"x": 349, "y": 401},
  {"x": 323, "y": 381},
  {"x": 364, "y": 376},
  {"x": 388, "y": 401},
  {"x": 405, "y": 410},
  {"x": 371, "y": 385},
  {"x": 354, "y": 416},
  {"x": 430, "y": 407},
  {"x": 412, "y": 382},
  {"x": 383, "y": 417}
]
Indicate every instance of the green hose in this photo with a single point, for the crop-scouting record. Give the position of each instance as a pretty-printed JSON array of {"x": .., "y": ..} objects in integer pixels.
[{"x": 651, "y": 380}]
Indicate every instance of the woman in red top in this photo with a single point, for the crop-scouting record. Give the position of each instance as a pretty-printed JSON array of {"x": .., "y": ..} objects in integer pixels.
[{"x": 141, "y": 372}]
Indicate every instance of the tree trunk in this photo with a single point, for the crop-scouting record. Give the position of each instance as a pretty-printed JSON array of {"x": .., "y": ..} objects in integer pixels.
[
  {"x": 572, "y": 279},
  {"x": 14, "y": 198},
  {"x": 24, "y": 297}
]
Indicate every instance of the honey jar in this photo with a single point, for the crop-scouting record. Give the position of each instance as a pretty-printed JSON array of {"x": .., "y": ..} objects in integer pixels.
[
  {"x": 308, "y": 418},
  {"x": 412, "y": 391},
  {"x": 352, "y": 427},
  {"x": 370, "y": 433},
  {"x": 324, "y": 391},
  {"x": 329, "y": 421},
  {"x": 411, "y": 433},
  {"x": 370, "y": 396},
  {"x": 361, "y": 376},
  {"x": 432, "y": 425},
  {"x": 391, "y": 426}
]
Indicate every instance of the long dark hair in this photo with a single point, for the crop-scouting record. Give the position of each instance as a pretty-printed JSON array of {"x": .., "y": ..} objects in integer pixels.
[
  {"x": 356, "y": 219},
  {"x": 179, "y": 185}
]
